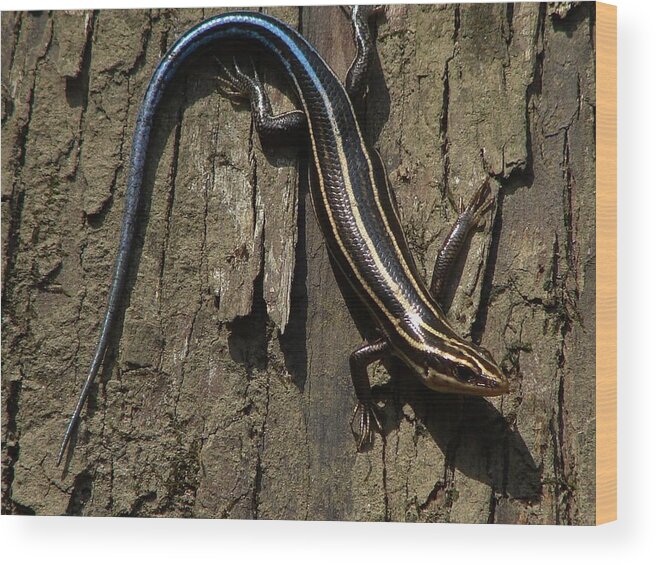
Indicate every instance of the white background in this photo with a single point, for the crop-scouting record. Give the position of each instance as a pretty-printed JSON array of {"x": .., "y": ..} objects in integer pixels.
[{"x": 630, "y": 539}]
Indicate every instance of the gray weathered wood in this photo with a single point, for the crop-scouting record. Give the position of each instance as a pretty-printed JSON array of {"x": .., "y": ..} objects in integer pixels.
[{"x": 226, "y": 391}]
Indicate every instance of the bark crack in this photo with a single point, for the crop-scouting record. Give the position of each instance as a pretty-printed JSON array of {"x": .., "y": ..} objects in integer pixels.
[
  {"x": 17, "y": 163},
  {"x": 444, "y": 119},
  {"x": 16, "y": 207},
  {"x": 259, "y": 470},
  {"x": 386, "y": 503}
]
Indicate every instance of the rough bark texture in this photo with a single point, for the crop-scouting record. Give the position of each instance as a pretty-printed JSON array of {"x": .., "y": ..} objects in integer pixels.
[{"x": 204, "y": 408}]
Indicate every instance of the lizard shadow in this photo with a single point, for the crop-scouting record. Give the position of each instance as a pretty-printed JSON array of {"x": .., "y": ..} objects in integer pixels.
[{"x": 474, "y": 436}]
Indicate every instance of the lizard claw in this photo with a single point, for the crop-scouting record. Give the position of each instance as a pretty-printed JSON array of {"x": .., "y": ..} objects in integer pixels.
[
  {"x": 366, "y": 417},
  {"x": 237, "y": 84},
  {"x": 229, "y": 84},
  {"x": 477, "y": 205}
]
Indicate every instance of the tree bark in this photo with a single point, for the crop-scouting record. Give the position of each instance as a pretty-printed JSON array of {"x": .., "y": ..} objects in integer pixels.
[{"x": 226, "y": 390}]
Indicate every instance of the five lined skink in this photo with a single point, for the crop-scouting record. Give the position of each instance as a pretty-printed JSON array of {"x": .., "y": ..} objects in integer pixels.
[{"x": 353, "y": 203}]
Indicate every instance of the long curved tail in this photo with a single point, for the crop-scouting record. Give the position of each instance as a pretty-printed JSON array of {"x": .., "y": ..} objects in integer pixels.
[{"x": 290, "y": 48}]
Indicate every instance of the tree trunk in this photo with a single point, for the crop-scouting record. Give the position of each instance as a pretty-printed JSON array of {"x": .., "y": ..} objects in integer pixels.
[{"x": 226, "y": 390}]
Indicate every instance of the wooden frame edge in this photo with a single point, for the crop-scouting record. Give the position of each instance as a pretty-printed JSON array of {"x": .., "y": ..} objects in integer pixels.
[{"x": 606, "y": 279}]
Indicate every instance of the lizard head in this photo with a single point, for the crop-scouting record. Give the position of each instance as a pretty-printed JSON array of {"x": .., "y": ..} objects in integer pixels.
[
  {"x": 472, "y": 370},
  {"x": 455, "y": 365}
]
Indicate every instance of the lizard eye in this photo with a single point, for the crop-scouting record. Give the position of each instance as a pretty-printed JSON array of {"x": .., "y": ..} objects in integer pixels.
[{"x": 464, "y": 374}]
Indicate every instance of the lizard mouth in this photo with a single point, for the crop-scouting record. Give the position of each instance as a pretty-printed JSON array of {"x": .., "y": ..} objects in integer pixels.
[
  {"x": 462, "y": 380},
  {"x": 486, "y": 385}
]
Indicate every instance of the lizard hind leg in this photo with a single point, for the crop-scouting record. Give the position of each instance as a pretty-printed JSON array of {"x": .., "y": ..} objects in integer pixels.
[{"x": 468, "y": 218}]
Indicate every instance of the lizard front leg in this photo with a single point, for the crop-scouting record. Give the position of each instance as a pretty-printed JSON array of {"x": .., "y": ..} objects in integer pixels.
[{"x": 365, "y": 411}]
